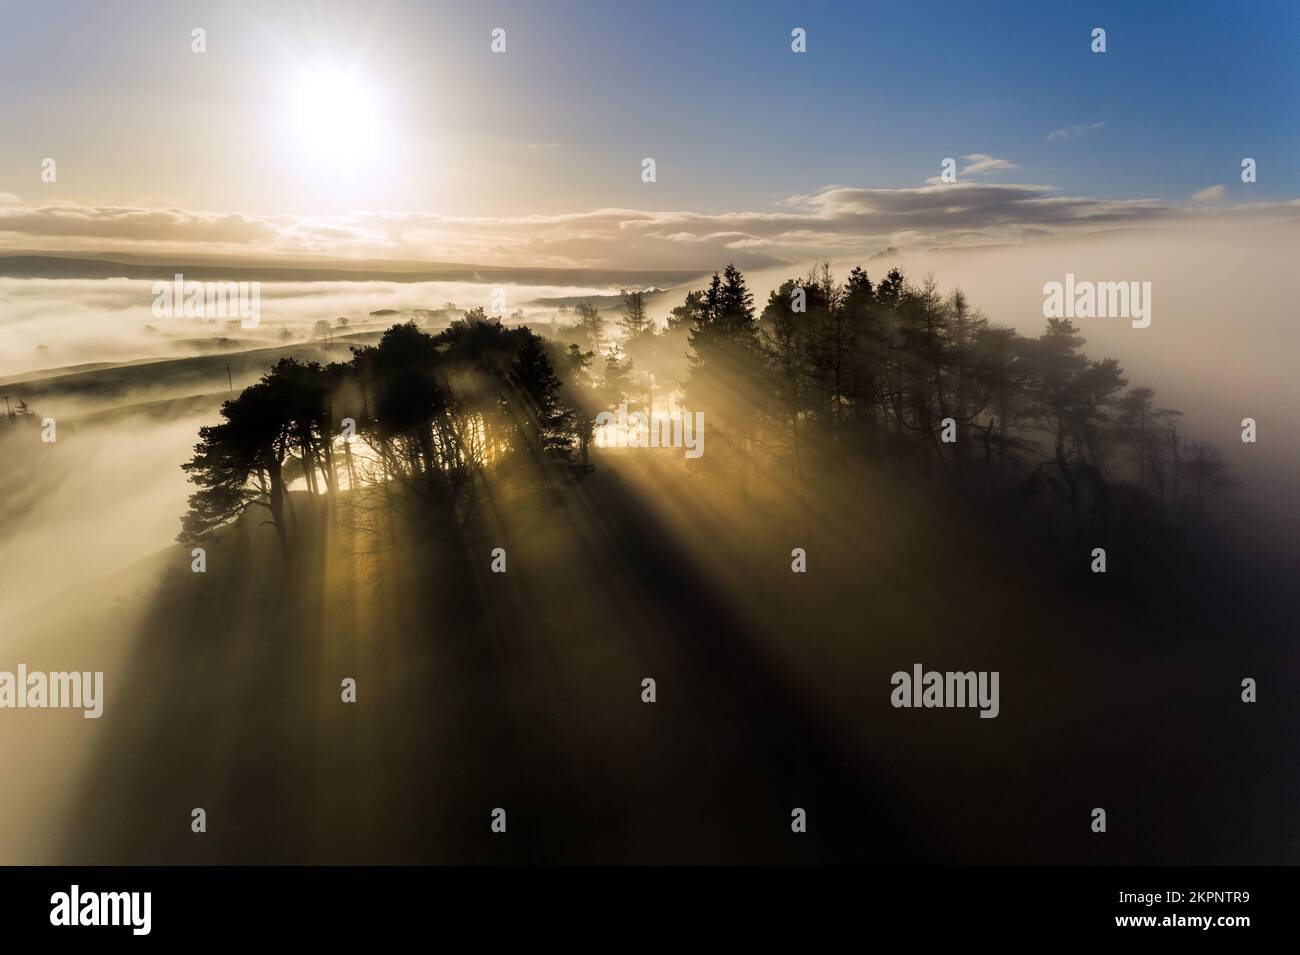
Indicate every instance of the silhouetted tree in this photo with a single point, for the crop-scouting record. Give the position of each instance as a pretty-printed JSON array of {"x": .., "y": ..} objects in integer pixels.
[
  {"x": 546, "y": 428},
  {"x": 1206, "y": 477},
  {"x": 591, "y": 327},
  {"x": 726, "y": 360},
  {"x": 1070, "y": 397},
  {"x": 634, "y": 320},
  {"x": 579, "y": 393},
  {"x": 239, "y": 463},
  {"x": 862, "y": 375}
]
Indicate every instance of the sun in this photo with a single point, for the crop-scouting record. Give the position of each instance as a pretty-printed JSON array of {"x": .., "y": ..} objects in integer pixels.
[{"x": 334, "y": 119}]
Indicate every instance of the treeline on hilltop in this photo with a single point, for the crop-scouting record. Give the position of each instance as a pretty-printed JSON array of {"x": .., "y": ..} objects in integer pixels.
[
  {"x": 417, "y": 417},
  {"x": 832, "y": 375},
  {"x": 829, "y": 378}
]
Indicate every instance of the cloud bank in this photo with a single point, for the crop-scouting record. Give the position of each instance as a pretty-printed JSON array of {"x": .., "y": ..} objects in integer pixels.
[{"x": 835, "y": 222}]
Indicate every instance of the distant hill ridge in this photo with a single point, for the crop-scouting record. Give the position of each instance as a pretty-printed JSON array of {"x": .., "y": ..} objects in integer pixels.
[{"x": 213, "y": 269}]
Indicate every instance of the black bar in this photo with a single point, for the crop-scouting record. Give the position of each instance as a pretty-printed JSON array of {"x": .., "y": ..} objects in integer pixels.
[{"x": 481, "y": 904}]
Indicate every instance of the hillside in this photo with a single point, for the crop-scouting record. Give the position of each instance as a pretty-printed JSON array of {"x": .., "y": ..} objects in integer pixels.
[{"x": 523, "y": 690}]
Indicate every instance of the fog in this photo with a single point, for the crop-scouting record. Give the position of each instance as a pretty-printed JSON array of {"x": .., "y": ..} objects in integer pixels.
[
  {"x": 101, "y": 498},
  {"x": 54, "y": 323},
  {"x": 110, "y": 491},
  {"x": 1222, "y": 344},
  {"x": 87, "y": 522}
]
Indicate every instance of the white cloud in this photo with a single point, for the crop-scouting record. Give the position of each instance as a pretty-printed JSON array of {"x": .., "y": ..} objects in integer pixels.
[
  {"x": 977, "y": 164},
  {"x": 1073, "y": 132},
  {"x": 835, "y": 221},
  {"x": 981, "y": 163},
  {"x": 1209, "y": 194}
]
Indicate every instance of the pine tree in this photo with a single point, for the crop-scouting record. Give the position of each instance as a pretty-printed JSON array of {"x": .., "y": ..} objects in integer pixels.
[
  {"x": 726, "y": 359},
  {"x": 548, "y": 424},
  {"x": 634, "y": 320},
  {"x": 591, "y": 327}
]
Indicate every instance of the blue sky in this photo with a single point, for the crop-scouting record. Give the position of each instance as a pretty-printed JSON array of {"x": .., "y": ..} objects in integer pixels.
[
  {"x": 1185, "y": 90},
  {"x": 558, "y": 125}
]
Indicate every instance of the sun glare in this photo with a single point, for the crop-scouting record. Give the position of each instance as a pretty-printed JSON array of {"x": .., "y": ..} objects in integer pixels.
[{"x": 335, "y": 120}]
